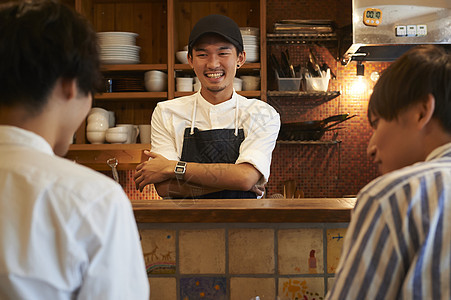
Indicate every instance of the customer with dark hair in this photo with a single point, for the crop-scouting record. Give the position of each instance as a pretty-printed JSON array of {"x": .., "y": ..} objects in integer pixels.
[
  {"x": 398, "y": 244},
  {"x": 66, "y": 231},
  {"x": 214, "y": 143}
]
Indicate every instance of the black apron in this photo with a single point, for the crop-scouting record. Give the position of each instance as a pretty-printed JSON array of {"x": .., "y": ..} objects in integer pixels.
[{"x": 214, "y": 146}]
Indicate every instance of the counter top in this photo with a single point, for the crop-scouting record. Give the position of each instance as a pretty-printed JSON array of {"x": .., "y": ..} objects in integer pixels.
[{"x": 305, "y": 210}]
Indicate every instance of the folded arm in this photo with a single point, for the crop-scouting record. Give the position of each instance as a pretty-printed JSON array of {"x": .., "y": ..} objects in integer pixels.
[{"x": 199, "y": 178}]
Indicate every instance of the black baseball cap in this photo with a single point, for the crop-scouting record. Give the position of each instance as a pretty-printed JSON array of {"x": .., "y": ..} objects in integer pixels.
[{"x": 219, "y": 24}]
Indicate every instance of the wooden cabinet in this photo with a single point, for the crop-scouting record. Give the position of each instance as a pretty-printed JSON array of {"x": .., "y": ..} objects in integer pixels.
[{"x": 163, "y": 27}]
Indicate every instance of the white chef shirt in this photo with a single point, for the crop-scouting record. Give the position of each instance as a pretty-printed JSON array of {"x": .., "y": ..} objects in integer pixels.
[
  {"x": 66, "y": 232},
  {"x": 259, "y": 120}
]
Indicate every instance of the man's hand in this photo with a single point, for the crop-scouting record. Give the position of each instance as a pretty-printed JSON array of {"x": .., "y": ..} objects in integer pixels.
[
  {"x": 155, "y": 170},
  {"x": 258, "y": 189}
]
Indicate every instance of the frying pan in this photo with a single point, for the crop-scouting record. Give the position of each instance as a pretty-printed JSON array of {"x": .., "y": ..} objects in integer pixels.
[
  {"x": 311, "y": 130},
  {"x": 320, "y": 124}
]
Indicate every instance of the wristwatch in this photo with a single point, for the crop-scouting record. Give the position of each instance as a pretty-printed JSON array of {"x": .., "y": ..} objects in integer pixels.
[{"x": 180, "y": 169}]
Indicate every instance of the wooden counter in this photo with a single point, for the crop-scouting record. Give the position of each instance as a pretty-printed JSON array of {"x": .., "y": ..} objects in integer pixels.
[{"x": 307, "y": 210}]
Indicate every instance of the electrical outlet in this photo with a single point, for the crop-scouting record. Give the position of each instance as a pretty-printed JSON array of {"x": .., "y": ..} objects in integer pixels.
[
  {"x": 401, "y": 30},
  {"x": 411, "y": 30},
  {"x": 422, "y": 30}
]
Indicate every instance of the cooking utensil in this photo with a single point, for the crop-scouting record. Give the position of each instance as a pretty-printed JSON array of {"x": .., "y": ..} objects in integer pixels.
[
  {"x": 277, "y": 65},
  {"x": 317, "y": 124},
  {"x": 311, "y": 130},
  {"x": 112, "y": 162}
]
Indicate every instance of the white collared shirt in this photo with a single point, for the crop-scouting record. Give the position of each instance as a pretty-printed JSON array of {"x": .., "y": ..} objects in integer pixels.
[
  {"x": 66, "y": 231},
  {"x": 259, "y": 121}
]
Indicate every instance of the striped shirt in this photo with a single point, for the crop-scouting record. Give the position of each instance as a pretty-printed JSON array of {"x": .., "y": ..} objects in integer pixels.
[{"x": 398, "y": 243}]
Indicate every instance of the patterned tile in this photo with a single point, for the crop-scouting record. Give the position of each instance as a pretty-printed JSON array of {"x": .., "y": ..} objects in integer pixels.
[
  {"x": 334, "y": 246},
  {"x": 294, "y": 288},
  {"x": 159, "y": 250},
  {"x": 203, "y": 288},
  {"x": 300, "y": 251}
]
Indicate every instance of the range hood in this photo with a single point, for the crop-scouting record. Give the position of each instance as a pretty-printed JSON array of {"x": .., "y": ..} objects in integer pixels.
[{"x": 382, "y": 30}]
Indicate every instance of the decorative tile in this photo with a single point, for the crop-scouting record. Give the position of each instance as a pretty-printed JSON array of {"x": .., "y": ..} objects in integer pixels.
[
  {"x": 306, "y": 288},
  {"x": 159, "y": 250},
  {"x": 249, "y": 288},
  {"x": 163, "y": 288},
  {"x": 251, "y": 251},
  {"x": 202, "y": 251},
  {"x": 300, "y": 251},
  {"x": 203, "y": 288},
  {"x": 334, "y": 246}
]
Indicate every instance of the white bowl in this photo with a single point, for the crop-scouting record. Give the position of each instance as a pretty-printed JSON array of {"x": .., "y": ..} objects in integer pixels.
[
  {"x": 156, "y": 85},
  {"x": 155, "y": 74},
  {"x": 118, "y": 129},
  {"x": 98, "y": 110},
  {"x": 250, "y": 83},
  {"x": 184, "y": 80},
  {"x": 97, "y": 126},
  {"x": 180, "y": 87},
  {"x": 96, "y": 137},
  {"x": 182, "y": 56},
  {"x": 116, "y": 137}
]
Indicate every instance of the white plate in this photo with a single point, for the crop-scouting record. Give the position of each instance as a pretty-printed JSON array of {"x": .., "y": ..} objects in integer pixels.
[
  {"x": 119, "y": 61},
  {"x": 116, "y": 33}
]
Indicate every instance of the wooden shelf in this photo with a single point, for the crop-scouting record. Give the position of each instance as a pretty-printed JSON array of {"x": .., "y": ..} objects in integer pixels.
[
  {"x": 305, "y": 95},
  {"x": 95, "y": 156},
  {"x": 246, "y": 66},
  {"x": 309, "y": 142},
  {"x": 134, "y": 67},
  {"x": 131, "y": 95},
  {"x": 253, "y": 94}
]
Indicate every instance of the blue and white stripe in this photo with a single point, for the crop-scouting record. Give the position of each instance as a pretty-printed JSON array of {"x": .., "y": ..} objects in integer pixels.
[{"x": 398, "y": 244}]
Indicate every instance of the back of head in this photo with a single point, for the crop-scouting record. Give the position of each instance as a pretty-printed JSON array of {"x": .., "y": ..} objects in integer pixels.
[
  {"x": 41, "y": 41},
  {"x": 421, "y": 71}
]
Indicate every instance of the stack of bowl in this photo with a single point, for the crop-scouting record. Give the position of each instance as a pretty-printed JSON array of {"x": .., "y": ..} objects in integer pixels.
[
  {"x": 156, "y": 81},
  {"x": 251, "y": 43},
  {"x": 98, "y": 123}
]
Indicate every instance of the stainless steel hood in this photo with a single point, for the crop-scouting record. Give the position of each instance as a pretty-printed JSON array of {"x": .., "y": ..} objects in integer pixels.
[{"x": 384, "y": 29}]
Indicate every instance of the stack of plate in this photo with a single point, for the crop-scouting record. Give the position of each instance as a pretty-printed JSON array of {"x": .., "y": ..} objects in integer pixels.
[
  {"x": 251, "y": 43},
  {"x": 118, "y": 47}
]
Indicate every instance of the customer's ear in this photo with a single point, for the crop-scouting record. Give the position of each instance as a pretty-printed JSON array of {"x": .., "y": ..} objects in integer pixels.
[{"x": 425, "y": 111}]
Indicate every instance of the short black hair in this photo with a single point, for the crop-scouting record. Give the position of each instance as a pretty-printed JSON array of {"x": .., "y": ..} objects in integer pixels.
[
  {"x": 40, "y": 42},
  {"x": 422, "y": 70}
]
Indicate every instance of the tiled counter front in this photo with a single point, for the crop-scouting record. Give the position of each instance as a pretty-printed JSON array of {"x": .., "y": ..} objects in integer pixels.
[{"x": 241, "y": 260}]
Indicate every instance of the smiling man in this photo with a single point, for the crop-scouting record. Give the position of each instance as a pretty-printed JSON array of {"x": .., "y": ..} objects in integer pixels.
[
  {"x": 398, "y": 245},
  {"x": 215, "y": 143}
]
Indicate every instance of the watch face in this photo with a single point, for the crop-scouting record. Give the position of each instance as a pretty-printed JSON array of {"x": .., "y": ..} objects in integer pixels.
[{"x": 179, "y": 169}]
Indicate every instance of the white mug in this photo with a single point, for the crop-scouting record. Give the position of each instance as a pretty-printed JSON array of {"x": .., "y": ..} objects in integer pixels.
[
  {"x": 133, "y": 132},
  {"x": 144, "y": 133}
]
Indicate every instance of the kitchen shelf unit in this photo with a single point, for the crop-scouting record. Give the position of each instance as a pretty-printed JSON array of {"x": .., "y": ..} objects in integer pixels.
[
  {"x": 163, "y": 28},
  {"x": 332, "y": 142}
]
